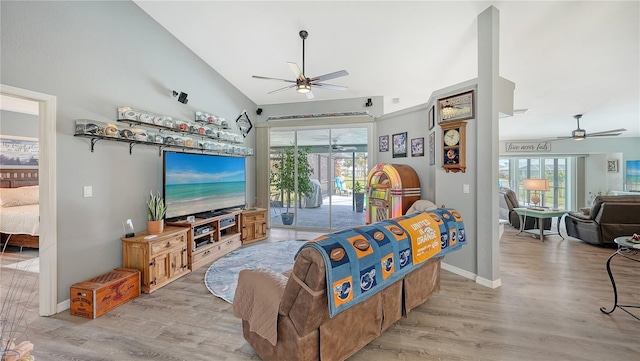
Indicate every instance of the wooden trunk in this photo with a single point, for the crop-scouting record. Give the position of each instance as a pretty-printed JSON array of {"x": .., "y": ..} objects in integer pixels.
[{"x": 93, "y": 298}]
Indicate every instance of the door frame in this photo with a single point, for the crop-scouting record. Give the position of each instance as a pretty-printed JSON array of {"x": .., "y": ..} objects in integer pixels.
[{"x": 48, "y": 249}]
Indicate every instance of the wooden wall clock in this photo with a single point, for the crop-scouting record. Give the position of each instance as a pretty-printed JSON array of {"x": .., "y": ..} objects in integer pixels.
[{"x": 453, "y": 146}]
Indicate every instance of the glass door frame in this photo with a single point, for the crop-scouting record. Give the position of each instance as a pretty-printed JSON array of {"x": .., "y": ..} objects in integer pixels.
[{"x": 369, "y": 126}]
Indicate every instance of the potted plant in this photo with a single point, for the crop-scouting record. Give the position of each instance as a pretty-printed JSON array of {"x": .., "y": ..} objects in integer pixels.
[
  {"x": 358, "y": 196},
  {"x": 155, "y": 212},
  {"x": 291, "y": 167}
]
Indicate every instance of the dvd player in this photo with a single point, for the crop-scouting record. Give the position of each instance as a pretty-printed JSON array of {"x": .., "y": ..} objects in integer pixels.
[
  {"x": 229, "y": 221},
  {"x": 202, "y": 229}
]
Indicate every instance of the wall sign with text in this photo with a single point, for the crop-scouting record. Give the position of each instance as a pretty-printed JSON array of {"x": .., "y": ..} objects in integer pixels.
[{"x": 528, "y": 147}]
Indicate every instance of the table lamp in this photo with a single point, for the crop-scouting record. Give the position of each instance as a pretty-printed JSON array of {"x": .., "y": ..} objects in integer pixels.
[{"x": 536, "y": 185}]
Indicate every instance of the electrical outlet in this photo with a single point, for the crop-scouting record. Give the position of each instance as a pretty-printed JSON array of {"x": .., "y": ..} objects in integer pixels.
[
  {"x": 465, "y": 188},
  {"x": 87, "y": 191}
]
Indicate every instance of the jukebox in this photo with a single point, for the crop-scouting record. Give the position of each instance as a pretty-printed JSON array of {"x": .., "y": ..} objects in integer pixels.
[{"x": 391, "y": 190}]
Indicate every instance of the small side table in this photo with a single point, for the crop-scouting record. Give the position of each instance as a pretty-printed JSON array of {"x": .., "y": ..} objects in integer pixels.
[
  {"x": 631, "y": 252},
  {"x": 540, "y": 215}
]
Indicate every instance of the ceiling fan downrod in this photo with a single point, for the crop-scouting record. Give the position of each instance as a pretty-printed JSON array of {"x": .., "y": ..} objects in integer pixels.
[{"x": 303, "y": 34}]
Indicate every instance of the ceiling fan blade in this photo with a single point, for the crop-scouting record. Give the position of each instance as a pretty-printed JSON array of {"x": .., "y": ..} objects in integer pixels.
[
  {"x": 333, "y": 75},
  {"x": 296, "y": 70},
  {"x": 267, "y": 78},
  {"x": 606, "y": 132},
  {"x": 281, "y": 89},
  {"x": 603, "y": 135},
  {"x": 330, "y": 86},
  {"x": 309, "y": 95}
]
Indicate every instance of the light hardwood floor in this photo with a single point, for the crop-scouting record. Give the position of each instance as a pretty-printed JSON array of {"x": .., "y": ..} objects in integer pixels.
[{"x": 547, "y": 309}]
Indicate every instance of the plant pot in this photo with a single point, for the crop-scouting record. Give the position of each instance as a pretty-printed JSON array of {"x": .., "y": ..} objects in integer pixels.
[
  {"x": 287, "y": 218},
  {"x": 155, "y": 227},
  {"x": 359, "y": 198}
]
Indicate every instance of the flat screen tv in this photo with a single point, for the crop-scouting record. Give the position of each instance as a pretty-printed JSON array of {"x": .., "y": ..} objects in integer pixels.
[
  {"x": 633, "y": 175},
  {"x": 202, "y": 183}
]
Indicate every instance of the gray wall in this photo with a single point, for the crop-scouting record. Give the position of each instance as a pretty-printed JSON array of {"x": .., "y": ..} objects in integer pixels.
[
  {"x": 18, "y": 124},
  {"x": 94, "y": 57}
]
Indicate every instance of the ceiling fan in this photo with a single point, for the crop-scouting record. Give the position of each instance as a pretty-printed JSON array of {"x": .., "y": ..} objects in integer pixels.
[
  {"x": 341, "y": 148},
  {"x": 580, "y": 134},
  {"x": 301, "y": 82}
]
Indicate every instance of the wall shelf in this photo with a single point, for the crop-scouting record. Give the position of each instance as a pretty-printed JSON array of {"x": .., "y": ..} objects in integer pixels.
[{"x": 203, "y": 143}]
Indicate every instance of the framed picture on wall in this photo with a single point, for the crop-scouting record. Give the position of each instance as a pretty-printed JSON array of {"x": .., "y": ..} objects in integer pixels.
[
  {"x": 19, "y": 152},
  {"x": 432, "y": 119},
  {"x": 612, "y": 166},
  {"x": 432, "y": 148},
  {"x": 399, "y": 142},
  {"x": 417, "y": 147},
  {"x": 383, "y": 143},
  {"x": 456, "y": 107}
]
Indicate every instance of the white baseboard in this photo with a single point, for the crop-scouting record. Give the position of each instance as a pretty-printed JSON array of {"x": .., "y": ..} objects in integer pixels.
[
  {"x": 63, "y": 306},
  {"x": 472, "y": 276}
]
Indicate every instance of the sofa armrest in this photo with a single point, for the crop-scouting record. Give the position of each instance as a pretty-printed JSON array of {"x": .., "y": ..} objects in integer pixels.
[
  {"x": 257, "y": 300},
  {"x": 580, "y": 217}
]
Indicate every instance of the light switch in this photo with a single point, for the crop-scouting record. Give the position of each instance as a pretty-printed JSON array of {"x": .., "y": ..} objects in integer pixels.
[
  {"x": 465, "y": 188},
  {"x": 87, "y": 191}
]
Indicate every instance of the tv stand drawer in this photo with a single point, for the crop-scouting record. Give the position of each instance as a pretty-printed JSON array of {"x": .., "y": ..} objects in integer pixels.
[{"x": 210, "y": 253}]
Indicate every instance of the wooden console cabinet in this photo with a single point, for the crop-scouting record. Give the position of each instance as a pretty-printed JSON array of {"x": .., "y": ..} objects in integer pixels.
[
  {"x": 160, "y": 259},
  {"x": 210, "y": 238},
  {"x": 254, "y": 225}
]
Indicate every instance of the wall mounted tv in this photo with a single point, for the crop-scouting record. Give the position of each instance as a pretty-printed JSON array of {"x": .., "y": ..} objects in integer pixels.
[
  {"x": 633, "y": 175},
  {"x": 202, "y": 183}
]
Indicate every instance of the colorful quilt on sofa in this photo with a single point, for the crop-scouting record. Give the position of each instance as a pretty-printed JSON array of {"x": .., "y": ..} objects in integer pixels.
[{"x": 362, "y": 261}]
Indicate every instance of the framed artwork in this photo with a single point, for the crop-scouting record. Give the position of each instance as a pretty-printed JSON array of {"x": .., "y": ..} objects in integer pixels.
[
  {"x": 432, "y": 148},
  {"x": 417, "y": 147},
  {"x": 399, "y": 141},
  {"x": 456, "y": 107},
  {"x": 19, "y": 152},
  {"x": 612, "y": 166},
  {"x": 383, "y": 143},
  {"x": 432, "y": 119}
]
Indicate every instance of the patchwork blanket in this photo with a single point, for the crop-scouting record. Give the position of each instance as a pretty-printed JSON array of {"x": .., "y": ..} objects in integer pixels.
[{"x": 362, "y": 261}]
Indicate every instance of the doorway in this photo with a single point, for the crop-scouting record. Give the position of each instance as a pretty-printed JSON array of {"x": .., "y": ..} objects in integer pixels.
[
  {"x": 47, "y": 278},
  {"x": 339, "y": 159}
]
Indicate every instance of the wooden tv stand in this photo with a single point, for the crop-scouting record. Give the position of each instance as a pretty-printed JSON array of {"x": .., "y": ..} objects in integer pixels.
[{"x": 206, "y": 245}]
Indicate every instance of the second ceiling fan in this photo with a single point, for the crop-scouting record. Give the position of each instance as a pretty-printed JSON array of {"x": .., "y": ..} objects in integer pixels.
[
  {"x": 579, "y": 133},
  {"x": 302, "y": 83}
]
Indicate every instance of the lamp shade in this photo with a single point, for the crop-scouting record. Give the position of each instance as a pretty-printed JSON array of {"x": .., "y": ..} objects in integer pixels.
[{"x": 535, "y": 184}]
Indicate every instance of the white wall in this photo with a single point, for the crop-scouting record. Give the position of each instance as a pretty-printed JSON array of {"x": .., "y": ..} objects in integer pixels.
[
  {"x": 94, "y": 57},
  {"x": 18, "y": 124}
]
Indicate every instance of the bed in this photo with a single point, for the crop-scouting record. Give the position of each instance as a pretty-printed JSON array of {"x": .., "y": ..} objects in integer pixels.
[{"x": 19, "y": 208}]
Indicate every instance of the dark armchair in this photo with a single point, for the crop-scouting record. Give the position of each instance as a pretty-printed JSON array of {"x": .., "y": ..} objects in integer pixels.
[
  {"x": 507, "y": 202},
  {"x": 609, "y": 217}
]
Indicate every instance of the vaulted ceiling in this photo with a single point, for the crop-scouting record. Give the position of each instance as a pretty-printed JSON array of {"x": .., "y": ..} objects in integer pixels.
[{"x": 566, "y": 57}]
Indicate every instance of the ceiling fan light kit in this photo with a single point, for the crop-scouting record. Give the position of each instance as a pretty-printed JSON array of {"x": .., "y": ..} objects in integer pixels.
[
  {"x": 302, "y": 84},
  {"x": 303, "y": 88}
]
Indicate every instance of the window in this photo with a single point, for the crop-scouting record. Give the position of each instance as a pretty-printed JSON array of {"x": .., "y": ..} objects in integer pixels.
[{"x": 513, "y": 171}]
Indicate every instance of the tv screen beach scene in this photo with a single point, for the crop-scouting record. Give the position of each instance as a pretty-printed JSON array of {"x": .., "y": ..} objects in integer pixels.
[{"x": 196, "y": 183}]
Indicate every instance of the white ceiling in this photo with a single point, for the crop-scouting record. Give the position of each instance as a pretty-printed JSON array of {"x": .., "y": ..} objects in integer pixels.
[{"x": 565, "y": 58}]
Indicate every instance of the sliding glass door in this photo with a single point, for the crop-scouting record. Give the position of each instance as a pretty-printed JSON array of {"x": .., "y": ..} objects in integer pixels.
[{"x": 338, "y": 159}]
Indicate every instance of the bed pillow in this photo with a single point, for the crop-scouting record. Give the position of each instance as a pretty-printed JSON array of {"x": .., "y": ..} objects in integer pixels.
[{"x": 13, "y": 197}]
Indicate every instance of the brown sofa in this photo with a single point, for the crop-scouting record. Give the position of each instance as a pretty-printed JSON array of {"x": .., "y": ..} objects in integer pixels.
[
  {"x": 298, "y": 303},
  {"x": 609, "y": 217}
]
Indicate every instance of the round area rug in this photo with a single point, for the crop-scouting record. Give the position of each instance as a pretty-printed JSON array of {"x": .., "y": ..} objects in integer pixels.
[{"x": 222, "y": 276}]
